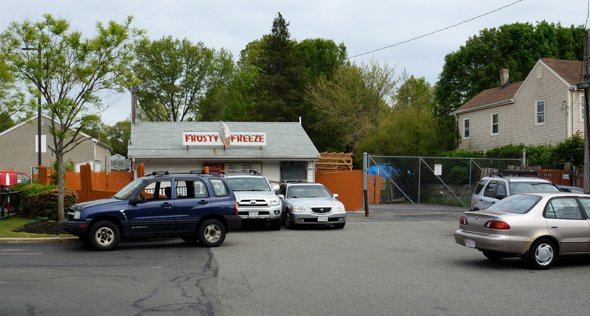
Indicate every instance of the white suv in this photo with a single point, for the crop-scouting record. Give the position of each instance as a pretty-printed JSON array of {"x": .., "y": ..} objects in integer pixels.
[
  {"x": 490, "y": 190},
  {"x": 256, "y": 198}
]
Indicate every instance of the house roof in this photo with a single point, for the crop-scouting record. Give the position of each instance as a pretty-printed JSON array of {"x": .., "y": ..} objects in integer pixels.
[
  {"x": 570, "y": 72},
  {"x": 49, "y": 119},
  {"x": 491, "y": 97},
  {"x": 284, "y": 141}
]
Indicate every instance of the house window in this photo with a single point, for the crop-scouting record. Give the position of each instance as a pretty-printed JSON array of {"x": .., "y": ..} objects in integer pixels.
[
  {"x": 495, "y": 123},
  {"x": 582, "y": 108},
  {"x": 466, "y": 128},
  {"x": 540, "y": 109}
]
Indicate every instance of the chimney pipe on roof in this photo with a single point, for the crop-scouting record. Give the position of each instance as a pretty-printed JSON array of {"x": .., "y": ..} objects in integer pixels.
[{"x": 504, "y": 77}]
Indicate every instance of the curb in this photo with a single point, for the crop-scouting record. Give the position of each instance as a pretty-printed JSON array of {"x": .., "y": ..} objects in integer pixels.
[{"x": 39, "y": 240}]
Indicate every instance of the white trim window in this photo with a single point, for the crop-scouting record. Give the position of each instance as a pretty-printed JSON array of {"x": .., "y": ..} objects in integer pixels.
[
  {"x": 540, "y": 112},
  {"x": 466, "y": 128},
  {"x": 495, "y": 123},
  {"x": 582, "y": 107}
]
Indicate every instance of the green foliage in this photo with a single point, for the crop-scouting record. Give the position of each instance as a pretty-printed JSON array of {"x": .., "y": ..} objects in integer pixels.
[
  {"x": 42, "y": 200},
  {"x": 118, "y": 137},
  {"x": 547, "y": 156},
  {"x": 6, "y": 121},
  {"x": 175, "y": 76},
  {"x": 474, "y": 66},
  {"x": 69, "y": 71}
]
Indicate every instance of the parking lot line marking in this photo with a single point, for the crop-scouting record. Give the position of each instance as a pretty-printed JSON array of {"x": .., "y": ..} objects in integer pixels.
[{"x": 22, "y": 253}]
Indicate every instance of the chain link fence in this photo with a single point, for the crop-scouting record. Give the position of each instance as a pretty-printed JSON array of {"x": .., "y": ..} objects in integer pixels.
[{"x": 431, "y": 180}]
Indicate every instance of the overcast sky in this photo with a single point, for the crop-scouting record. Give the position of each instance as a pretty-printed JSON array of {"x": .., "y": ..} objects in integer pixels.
[{"x": 361, "y": 25}]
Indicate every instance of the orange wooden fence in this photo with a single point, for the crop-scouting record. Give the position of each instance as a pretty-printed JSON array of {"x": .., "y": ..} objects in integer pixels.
[
  {"x": 348, "y": 184},
  {"x": 88, "y": 184}
]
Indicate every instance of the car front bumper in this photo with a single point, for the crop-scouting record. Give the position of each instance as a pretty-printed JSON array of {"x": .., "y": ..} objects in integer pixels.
[
  {"x": 78, "y": 228},
  {"x": 317, "y": 219},
  {"x": 258, "y": 213}
]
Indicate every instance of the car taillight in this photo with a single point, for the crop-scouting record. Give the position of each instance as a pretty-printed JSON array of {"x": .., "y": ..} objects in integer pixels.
[
  {"x": 463, "y": 220},
  {"x": 496, "y": 225},
  {"x": 236, "y": 208}
]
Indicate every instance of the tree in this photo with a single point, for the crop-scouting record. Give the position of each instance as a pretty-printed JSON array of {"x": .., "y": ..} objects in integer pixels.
[
  {"x": 11, "y": 100},
  {"x": 346, "y": 107},
  {"x": 6, "y": 121},
  {"x": 278, "y": 81},
  {"x": 410, "y": 128},
  {"x": 320, "y": 58},
  {"x": 118, "y": 136},
  {"x": 70, "y": 72},
  {"x": 474, "y": 66},
  {"x": 176, "y": 76}
]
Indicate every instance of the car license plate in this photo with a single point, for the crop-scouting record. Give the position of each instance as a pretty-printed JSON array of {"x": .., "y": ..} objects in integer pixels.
[
  {"x": 469, "y": 243},
  {"x": 322, "y": 218},
  {"x": 253, "y": 214}
]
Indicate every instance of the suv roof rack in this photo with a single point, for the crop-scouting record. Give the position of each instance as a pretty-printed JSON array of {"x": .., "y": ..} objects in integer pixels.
[
  {"x": 518, "y": 173},
  {"x": 160, "y": 173}
]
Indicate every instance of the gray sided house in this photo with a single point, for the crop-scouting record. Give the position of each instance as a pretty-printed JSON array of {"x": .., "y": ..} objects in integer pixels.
[
  {"x": 18, "y": 148},
  {"x": 545, "y": 108},
  {"x": 282, "y": 151}
]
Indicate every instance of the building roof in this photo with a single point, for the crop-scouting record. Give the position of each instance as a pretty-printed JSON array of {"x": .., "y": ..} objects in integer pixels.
[
  {"x": 570, "y": 72},
  {"x": 491, "y": 97},
  {"x": 47, "y": 118},
  {"x": 284, "y": 141}
]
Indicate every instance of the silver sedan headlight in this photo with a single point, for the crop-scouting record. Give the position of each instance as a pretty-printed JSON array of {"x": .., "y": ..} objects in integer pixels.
[
  {"x": 339, "y": 208},
  {"x": 300, "y": 209}
]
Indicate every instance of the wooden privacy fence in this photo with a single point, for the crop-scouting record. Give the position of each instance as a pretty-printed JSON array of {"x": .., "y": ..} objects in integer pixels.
[
  {"x": 88, "y": 184},
  {"x": 348, "y": 184}
]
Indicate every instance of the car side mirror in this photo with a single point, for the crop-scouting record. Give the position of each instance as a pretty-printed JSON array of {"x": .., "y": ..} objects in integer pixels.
[
  {"x": 135, "y": 200},
  {"x": 275, "y": 187},
  {"x": 336, "y": 196}
]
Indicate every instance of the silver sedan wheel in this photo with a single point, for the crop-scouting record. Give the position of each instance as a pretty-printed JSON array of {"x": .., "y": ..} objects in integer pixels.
[
  {"x": 212, "y": 233},
  {"x": 544, "y": 254},
  {"x": 104, "y": 236}
]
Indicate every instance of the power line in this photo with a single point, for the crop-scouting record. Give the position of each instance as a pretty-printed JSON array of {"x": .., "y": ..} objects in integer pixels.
[{"x": 438, "y": 31}]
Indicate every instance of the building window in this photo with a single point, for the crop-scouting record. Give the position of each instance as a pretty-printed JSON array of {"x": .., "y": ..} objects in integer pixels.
[
  {"x": 540, "y": 110},
  {"x": 495, "y": 123},
  {"x": 466, "y": 128},
  {"x": 582, "y": 108}
]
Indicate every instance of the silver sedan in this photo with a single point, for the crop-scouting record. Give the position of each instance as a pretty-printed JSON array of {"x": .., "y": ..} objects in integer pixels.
[
  {"x": 311, "y": 203},
  {"x": 538, "y": 227}
]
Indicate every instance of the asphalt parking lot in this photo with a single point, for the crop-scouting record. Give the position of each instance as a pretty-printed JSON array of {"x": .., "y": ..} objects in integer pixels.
[{"x": 402, "y": 262}]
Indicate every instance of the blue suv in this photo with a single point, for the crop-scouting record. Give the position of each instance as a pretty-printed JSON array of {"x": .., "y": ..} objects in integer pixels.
[{"x": 198, "y": 208}]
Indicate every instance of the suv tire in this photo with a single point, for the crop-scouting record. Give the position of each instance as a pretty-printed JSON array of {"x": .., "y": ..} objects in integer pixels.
[
  {"x": 104, "y": 235},
  {"x": 211, "y": 233}
]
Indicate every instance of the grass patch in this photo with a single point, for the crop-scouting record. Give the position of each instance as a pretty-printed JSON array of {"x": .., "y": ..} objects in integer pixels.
[{"x": 8, "y": 225}]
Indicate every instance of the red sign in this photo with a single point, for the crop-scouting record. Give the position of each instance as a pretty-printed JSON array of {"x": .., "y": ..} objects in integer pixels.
[{"x": 214, "y": 139}]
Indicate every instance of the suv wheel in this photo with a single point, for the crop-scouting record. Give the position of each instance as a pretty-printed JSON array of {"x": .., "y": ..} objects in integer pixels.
[
  {"x": 211, "y": 233},
  {"x": 104, "y": 235}
]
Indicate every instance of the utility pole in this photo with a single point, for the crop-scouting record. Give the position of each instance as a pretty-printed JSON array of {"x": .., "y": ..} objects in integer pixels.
[{"x": 585, "y": 84}]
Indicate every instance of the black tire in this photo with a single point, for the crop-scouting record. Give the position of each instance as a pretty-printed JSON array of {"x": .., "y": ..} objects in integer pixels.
[
  {"x": 104, "y": 235},
  {"x": 339, "y": 225},
  {"x": 211, "y": 233},
  {"x": 493, "y": 256},
  {"x": 542, "y": 254},
  {"x": 288, "y": 222},
  {"x": 275, "y": 224}
]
